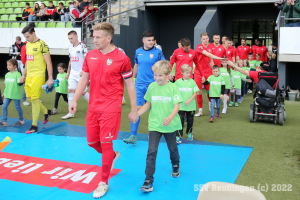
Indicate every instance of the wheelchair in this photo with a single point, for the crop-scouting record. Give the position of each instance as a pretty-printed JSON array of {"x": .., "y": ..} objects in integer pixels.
[{"x": 268, "y": 108}]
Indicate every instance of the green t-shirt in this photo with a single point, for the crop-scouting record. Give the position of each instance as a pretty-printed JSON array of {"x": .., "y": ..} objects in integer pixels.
[
  {"x": 226, "y": 76},
  {"x": 252, "y": 64},
  {"x": 257, "y": 65},
  {"x": 173, "y": 69},
  {"x": 12, "y": 89},
  {"x": 237, "y": 77},
  {"x": 63, "y": 83},
  {"x": 187, "y": 89},
  {"x": 215, "y": 85},
  {"x": 162, "y": 99},
  {"x": 246, "y": 69}
]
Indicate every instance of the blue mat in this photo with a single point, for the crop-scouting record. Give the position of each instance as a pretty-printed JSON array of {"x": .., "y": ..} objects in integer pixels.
[{"x": 200, "y": 162}]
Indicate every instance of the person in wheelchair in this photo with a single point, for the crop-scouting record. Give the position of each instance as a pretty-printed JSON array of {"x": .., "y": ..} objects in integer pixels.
[{"x": 269, "y": 99}]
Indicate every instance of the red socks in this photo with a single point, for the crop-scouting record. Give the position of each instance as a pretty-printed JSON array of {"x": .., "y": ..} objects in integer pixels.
[
  {"x": 96, "y": 146},
  {"x": 208, "y": 97},
  {"x": 107, "y": 159},
  {"x": 199, "y": 101}
]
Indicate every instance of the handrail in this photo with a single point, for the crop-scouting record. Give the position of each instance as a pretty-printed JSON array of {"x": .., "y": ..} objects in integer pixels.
[
  {"x": 28, "y": 22},
  {"x": 290, "y": 18}
]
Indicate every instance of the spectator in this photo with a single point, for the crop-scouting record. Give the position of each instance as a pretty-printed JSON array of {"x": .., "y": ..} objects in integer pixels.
[
  {"x": 51, "y": 9},
  {"x": 27, "y": 11},
  {"x": 279, "y": 5},
  {"x": 157, "y": 45},
  {"x": 103, "y": 10},
  {"x": 61, "y": 14},
  {"x": 35, "y": 12},
  {"x": 42, "y": 13},
  {"x": 272, "y": 60},
  {"x": 15, "y": 52},
  {"x": 75, "y": 14},
  {"x": 83, "y": 5},
  {"x": 90, "y": 9},
  {"x": 292, "y": 10}
]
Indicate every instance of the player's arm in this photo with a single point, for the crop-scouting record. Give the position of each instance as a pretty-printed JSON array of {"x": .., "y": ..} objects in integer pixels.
[
  {"x": 144, "y": 108},
  {"x": 24, "y": 74},
  {"x": 234, "y": 66},
  {"x": 172, "y": 61},
  {"x": 47, "y": 59},
  {"x": 233, "y": 59},
  {"x": 135, "y": 70},
  {"x": 213, "y": 56},
  {"x": 69, "y": 70},
  {"x": 211, "y": 62},
  {"x": 133, "y": 115},
  {"x": 175, "y": 111}
]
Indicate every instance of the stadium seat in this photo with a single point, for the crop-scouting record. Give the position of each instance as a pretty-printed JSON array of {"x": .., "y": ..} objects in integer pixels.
[
  {"x": 51, "y": 24},
  {"x": 18, "y": 11},
  {"x": 4, "y": 18},
  {"x": 40, "y": 25},
  {"x": 5, "y": 25},
  {"x": 9, "y": 11},
  {"x": 2, "y": 11},
  {"x": 1, "y": 24},
  {"x": 60, "y": 25},
  {"x": 23, "y": 24},
  {"x": 1, "y": 5},
  {"x": 55, "y": 3},
  {"x": 22, "y": 5},
  {"x": 15, "y": 5},
  {"x": 69, "y": 25},
  {"x": 14, "y": 25},
  {"x": 12, "y": 18},
  {"x": 7, "y": 5}
]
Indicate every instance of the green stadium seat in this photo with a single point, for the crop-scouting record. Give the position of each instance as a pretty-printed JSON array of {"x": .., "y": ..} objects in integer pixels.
[
  {"x": 18, "y": 11},
  {"x": 4, "y": 18},
  {"x": 5, "y": 25},
  {"x": 22, "y": 5},
  {"x": 9, "y": 11},
  {"x": 55, "y": 3},
  {"x": 1, "y": 25},
  {"x": 40, "y": 25},
  {"x": 12, "y": 18},
  {"x": 69, "y": 25},
  {"x": 2, "y": 11},
  {"x": 96, "y": 5},
  {"x": 7, "y": 5},
  {"x": 15, "y": 4},
  {"x": 1, "y": 5},
  {"x": 60, "y": 25},
  {"x": 23, "y": 24},
  {"x": 14, "y": 25},
  {"x": 10, "y": 0},
  {"x": 51, "y": 24}
]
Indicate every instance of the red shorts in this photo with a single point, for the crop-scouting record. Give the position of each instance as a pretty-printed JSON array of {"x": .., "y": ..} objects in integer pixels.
[
  {"x": 199, "y": 83},
  {"x": 103, "y": 127}
]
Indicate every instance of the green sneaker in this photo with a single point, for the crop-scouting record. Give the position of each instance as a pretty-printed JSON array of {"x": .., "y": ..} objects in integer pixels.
[
  {"x": 236, "y": 104},
  {"x": 230, "y": 104},
  {"x": 178, "y": 140},
  {"x": 131, "y": 140},
  {"x": 190, "y": 137}
]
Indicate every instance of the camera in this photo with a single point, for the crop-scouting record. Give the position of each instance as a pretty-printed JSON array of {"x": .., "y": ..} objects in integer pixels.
[{"x": 277, "y": 2}]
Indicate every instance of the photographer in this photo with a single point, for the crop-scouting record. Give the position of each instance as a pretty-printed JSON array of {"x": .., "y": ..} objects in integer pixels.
[{"x": 279, "y": 4}]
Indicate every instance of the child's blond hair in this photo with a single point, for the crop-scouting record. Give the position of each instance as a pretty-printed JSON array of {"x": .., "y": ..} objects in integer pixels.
[
  {"x": 186, "y": 67},
  {"x": 240, "y": 62},
  {"x": 162, "y": 66},
  {"x": 273, "y": 55}
]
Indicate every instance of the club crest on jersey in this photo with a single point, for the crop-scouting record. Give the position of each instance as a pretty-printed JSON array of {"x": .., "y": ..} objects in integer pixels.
[
  {"x": 220, "y": 49},
  {"x": 245, "y": 48},
  {"x": 190, "y": 55},
  {"x": 228, "y": 52},
  {"x": 151, "y": 55},
  {"x": 109, "y": 62}
]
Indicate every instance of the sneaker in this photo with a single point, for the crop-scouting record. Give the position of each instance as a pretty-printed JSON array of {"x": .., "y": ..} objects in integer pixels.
[
  {"x": 19, "y": 123},
  {"x": 123, "y": 102},
  {"x": 67, "y": 116},
  {"x": 250, "y": 91},
  {"x": 176, "y": 172},
  {"x": 239, "y": 101},
  {"x": 3, "y": 123},
  {"x": 25, "y": 103},
  {"x": 47, "y": 116},
  {"x": 190, "y": 137},
  {"x": 147, "y": 186},
  {"x": 33, "y": 129},
  {"x": 223, "y": 111},
  {"x": 178, "y": 140},
  {"x": 211, "y": 119},
  {"x": 100, "y": 190},
  {"x": 131, "y": 140},
  {"x": 236, "y": 104},
  {"x": 200, "y": 113},
  {"x": 242, "y": 99},
  {"x": 217, "y": 116},
  {"x": 230, "y": 104},
  {"x": 54, "y": 111},
  {"x": 115, "y": 159},
  {"x": 209, "y": 106}
]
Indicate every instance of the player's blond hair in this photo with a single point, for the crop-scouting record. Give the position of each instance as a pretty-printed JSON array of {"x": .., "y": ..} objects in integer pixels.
[
  {"x": 186, "y": 67},
  {"x": 162, "y": 66},
  {"x": 204, "y": 34},
  {"x": 105, "y": 26}
]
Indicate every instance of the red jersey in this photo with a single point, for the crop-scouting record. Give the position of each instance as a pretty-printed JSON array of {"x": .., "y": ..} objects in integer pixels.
[
  {"x": 253, "y": 51},
  {"x": 243, "y": 52},
  {"x": 254, "y": 75},
  {"x": 217, "y": 51},
  {"x": 203, "y": 68},
  {"x": 23, "y": 54},
  {"x": 181, "y": 57},
  {"x": 106, "y": 79},
  {"x": 229, "y": 53},
  {"x": 263, "y": 51},
  {"x": 235, "y": 52}
]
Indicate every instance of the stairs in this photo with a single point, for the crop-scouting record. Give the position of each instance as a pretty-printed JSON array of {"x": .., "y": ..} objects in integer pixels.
[{"x": 116, "y": 7}]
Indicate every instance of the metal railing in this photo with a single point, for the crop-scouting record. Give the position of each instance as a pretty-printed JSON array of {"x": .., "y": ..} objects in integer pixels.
[{"x": 28, "y": 22}]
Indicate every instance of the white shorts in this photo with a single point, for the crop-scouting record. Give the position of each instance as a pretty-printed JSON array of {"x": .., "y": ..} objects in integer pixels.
[{"x": 73, "y": 82}]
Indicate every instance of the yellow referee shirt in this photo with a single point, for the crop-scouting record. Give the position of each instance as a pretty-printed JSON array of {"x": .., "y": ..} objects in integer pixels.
[{"x": 36, "y": 65}]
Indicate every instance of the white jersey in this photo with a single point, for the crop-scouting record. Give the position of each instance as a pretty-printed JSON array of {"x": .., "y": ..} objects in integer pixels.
[{"x": 77, "y": 55}]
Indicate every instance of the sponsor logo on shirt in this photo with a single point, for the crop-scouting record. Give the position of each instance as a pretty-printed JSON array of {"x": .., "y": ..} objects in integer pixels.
[
  {"x": 236, "y": 76},
  {"x": 75, "y": 59},
  {"x": 215, "y": 83},
  {"x": 161, "y": 99},
  {"x": 10, "y": 80},
  {"x": 190, "y": 55},
  {"x": 30, "y": 57},
  {"x": 109, "y": 62},
  {"x": 224, "y": 74},
  {"x": 151, "y": 55},
  {"x": 94, "y": 58},
  {"x": 109, "y": 136},
  {"x": 60, "y": 79},
  {"x": 140, "y": 54},
  {"x": 34, "y": 49},
  {"x": 180, "y": 55},
  {"x": 176, "y": 98},
  {"x": 185, "y": 89}
]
